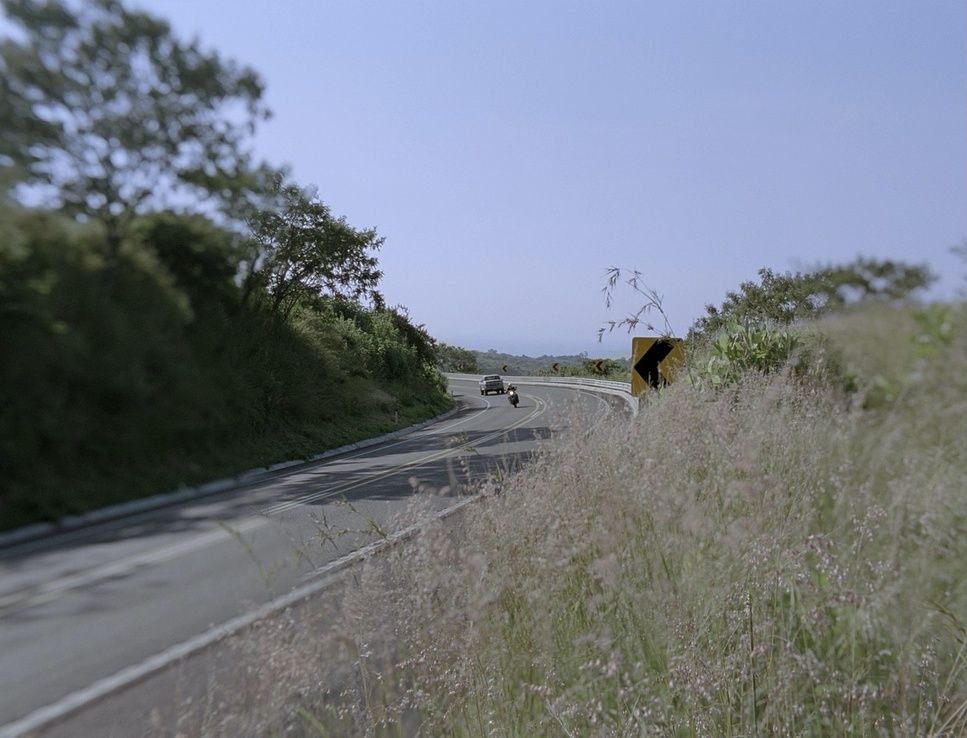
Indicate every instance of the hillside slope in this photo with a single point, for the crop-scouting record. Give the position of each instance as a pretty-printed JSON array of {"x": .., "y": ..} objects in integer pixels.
[{"x": 127, "y": 375}]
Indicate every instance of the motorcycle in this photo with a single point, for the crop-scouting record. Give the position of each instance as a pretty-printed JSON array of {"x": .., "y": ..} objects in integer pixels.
[{"x": 512, "y": 397}]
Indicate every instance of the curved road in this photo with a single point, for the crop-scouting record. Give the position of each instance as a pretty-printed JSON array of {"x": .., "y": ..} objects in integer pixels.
[{"x": 81, "y": 606}]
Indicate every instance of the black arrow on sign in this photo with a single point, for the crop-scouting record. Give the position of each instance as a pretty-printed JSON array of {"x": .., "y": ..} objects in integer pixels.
[{"x": 647, "y": 365}]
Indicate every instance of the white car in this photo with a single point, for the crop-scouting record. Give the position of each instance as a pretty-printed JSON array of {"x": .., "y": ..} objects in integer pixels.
[{"x": 492, "y": 383}]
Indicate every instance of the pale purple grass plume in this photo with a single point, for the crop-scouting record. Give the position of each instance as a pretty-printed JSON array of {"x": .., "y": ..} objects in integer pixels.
[{"x": 770, "y": 561}]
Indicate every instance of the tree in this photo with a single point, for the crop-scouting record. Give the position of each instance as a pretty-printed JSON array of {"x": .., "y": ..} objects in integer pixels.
[
  {"x": 784, "y": 298},
  {"x": 301, "y": 250},
  {"x": 198, "y": 254},
  {"x": 107, "y": 113},
  {"x": 602, "y": 367},
  {"x": 456, "y": 358},
  {"x": 415, "y": 335}
]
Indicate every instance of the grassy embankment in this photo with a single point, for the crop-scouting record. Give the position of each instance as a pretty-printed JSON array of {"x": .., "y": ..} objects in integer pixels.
[
  {"x": 779, "y": 558},
  {"x": 131, "y": 374}
]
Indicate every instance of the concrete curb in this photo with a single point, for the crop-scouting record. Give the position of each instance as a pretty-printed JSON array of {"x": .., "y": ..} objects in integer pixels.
[{"x": 36, "y": 531}]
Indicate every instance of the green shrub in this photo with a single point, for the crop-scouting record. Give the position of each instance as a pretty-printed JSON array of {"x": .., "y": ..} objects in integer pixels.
[
  {"x": 590, "y": 367},
  {"x": 935, "y": 324},
  {"x": 741, "y": 348},
  {"x": 134, "y": 372},
  {"x": 202, "y": 258},
  {"x": 455, "y": 358},
  {"x": 787, "y": 298}
]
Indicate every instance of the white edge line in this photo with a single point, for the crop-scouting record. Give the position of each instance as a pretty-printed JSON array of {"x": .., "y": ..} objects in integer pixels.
[{"x": 103, "y": 687}]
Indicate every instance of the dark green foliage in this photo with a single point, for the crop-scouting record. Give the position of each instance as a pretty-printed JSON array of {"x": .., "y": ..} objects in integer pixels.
[
  {"x": 123, "y": 376},
  {"x": 379, "y": 343},
  {"x": 455, "y": 358},
  {"x": 742, "y": 348},
  {"x": 201, "y": 257},
  {"x": 106, "y": 112},
  {"x": 747, "y": 332},
  {"x": 414, "y": 336},
  {"x": 489, "y": 362},
  {"x": 614, "y": 369},
  {"x": 132, "y": 359},
  {"x": 605, "y": 368},
  {"x": 786, "y": 298},
  {"x": 301, "y": 250}
]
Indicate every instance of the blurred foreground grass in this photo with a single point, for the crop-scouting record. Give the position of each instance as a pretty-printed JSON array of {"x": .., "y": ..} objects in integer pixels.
[{"x": 783, "y": 559}]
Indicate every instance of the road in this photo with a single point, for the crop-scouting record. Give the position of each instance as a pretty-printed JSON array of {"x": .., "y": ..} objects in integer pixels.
[{"x": 82, "y": 606}]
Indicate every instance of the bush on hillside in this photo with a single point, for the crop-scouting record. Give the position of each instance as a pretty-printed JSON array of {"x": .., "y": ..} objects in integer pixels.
[
  {"x": 456, "y": 359},
  {"x": 131, "y": 373},
  {"x": 88, "y": 342},
  {"x": 786, "y": 298},
  {"x": 741, "y": 348},
  {"x": 202, "y": 258},
  {"x": 589, "y": 367},
  {"x": 380, "y": 343}
]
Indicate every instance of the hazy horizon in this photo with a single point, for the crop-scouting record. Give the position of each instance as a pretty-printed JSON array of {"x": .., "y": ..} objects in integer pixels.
[{"x": 510, "y": 154}]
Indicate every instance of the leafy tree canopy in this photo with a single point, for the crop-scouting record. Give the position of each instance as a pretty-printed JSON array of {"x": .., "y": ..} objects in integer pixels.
[
  {"x": 456, "y": 358},
  {"x": 785, "y": 298},
  {"x": 301, "y": 250},
  {"x": 106, "y": 113}
]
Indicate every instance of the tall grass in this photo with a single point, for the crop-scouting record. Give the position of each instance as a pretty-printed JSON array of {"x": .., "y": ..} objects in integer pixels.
[{"x": 777, "y": 560}]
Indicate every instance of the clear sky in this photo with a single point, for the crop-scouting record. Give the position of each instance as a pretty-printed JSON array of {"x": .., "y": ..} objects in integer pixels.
[{"x": 510, "y": 152}]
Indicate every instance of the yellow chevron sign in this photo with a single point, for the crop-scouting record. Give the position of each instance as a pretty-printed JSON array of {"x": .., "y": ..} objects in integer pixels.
[{"x": 654, "y": 362}]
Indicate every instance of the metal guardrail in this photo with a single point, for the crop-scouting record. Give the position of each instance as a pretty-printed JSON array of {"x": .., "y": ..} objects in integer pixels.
[{"x": 619, "y": 389}]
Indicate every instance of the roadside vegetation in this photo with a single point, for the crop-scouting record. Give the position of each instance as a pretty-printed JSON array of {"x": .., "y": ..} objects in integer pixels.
[
  {"x": 472, "y": 361},
  {"x": 144, "y": 346},
  {"x": 773, "y": 548},
  {"x": 750, "y": 319}
]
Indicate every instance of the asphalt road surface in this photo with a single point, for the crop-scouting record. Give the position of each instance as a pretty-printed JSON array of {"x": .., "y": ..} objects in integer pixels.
[{"x": 79, "y": 607}]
